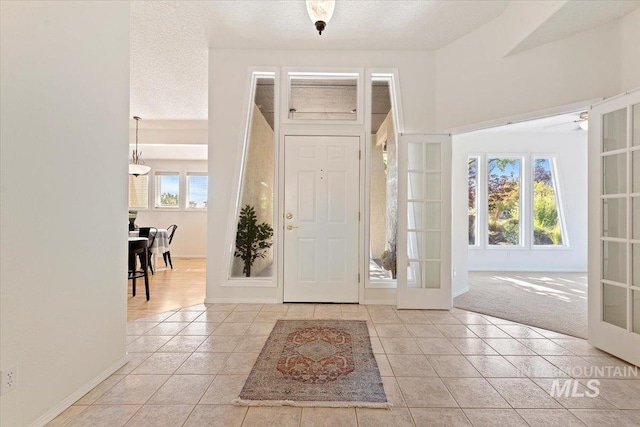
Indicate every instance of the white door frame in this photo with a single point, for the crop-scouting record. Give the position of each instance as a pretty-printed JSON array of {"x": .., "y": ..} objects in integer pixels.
[{"x": 317, "y": 130}]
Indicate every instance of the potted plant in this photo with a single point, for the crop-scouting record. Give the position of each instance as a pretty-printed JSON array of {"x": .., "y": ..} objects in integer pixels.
[
  {"x": 252, "y": 239},
  {"x": 388, "y": 259}
]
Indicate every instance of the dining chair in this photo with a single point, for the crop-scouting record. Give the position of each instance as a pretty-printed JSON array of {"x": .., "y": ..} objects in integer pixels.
[
  {"x": 150, "y": 233},
  {"x": 139, "y": 248},
  {"x": 171, "y": 230}
]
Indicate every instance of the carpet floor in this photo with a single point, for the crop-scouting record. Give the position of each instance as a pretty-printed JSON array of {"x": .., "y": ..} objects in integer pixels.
[{"x": 553, "y": 301}]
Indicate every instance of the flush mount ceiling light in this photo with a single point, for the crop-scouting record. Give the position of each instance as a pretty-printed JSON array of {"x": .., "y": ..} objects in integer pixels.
[
  {"x": 320, "y": 12},
  {"x": 137, "y": 166}
]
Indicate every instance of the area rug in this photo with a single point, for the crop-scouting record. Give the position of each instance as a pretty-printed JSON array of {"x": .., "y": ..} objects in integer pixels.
[
  {"x": 319, "y": 363},
  {"x": 554, "y": 301}
]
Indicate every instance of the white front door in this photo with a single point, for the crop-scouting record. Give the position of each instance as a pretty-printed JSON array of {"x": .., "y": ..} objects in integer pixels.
[
  {"x": 614, "y": 227},
  {"x": 321, "y": 204}
]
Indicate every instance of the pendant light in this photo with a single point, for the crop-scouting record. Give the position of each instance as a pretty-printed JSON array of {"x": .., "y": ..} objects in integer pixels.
[
  {"x": 320, "y": 12},
  {"x": 137, "y": 166}
]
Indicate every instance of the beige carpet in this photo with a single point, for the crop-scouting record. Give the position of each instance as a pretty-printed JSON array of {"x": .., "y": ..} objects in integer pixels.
[{"x": 554, "y": 301}]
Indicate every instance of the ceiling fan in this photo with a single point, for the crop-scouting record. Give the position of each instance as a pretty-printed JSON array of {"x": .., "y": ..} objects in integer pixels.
[{"x": 582, "y": 121}]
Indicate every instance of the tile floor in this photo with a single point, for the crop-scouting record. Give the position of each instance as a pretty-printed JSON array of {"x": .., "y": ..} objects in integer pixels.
[{"x": 444, "y": 368}]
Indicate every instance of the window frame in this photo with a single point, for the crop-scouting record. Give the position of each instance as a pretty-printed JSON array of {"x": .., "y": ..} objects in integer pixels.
[
  {"x": 186, "y": 206},
  {"x": 480, "y": 215},
  {"x": 553, "y": 159},
  {"x": 522, "y": 203},
  {"x": 156, "y": 187}
]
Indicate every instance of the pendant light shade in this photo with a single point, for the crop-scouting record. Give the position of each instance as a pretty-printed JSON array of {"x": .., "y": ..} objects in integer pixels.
[
  {"x": 137, "y": 166},
  {"x": 320, "y": 12}
]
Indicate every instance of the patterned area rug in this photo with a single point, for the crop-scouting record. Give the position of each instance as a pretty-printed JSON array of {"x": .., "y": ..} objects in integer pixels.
[{"x": 324, "y": 363}]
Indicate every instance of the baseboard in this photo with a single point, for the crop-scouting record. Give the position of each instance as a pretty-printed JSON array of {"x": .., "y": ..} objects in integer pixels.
[
  {"x": 526, "y": 270},
  {"x": 460, "y": 292},
  {"x": 240, "y": 301},
  {"x": 73, "y": 397}
]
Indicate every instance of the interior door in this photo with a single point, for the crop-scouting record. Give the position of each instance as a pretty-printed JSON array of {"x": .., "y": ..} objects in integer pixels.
[
  {"x": 321, "y": 192},
  {"x": 614, "y": 227},
  {"x": 424, "y": 226}
]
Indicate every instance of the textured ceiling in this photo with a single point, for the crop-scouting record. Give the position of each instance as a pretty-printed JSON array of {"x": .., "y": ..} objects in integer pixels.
[{"x": 170, "y": 39}]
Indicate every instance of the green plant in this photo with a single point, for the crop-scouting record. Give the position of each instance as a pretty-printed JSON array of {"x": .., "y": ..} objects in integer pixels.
[
  {"x": 168, "y": 199},
  {"x": 252, "y": 239}
]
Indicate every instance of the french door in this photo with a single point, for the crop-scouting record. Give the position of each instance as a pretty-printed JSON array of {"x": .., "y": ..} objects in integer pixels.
[
  {"x": 614, "y": 227},
  {"x": 321, "y": 210},
  {"x": 424, "y": 226}
]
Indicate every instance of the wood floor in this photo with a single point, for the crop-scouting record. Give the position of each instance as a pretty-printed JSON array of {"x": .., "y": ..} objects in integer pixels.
[{"x": 169, "y": 289}]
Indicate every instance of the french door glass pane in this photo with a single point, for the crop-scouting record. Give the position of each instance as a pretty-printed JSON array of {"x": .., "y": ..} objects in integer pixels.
[
  {"x": 547, "y": 227},
  {"x": 432, "y": 216},
  {"x": 614, "y": 261},
  {"x": 614, "y": 130},
  {"x": 414, "y": 274},
  {"x": 636, "y": 217},
  {"x": 614, "y": 305},
  {"x": 423, "y": 274},
  {"x": 415, "y": 155},
  {"x": 636, "y": 311},
  {"x": 635, "y": 171},
  {"x": 472, "y": 209},
  {"x": 416, "y": 185},
  {"x": 504, "y": 201},
  {"x": 614, "y": 218},
  {"x": 636, "y": 125},
  {"x": 635, "y": 265},
  {"x": 614, "y": 169},
  {"x": 432, "y": 157},
  {"x": 432, "y": 186},
  {"x": 431, "y": 274},
  {"x": 415, "y": 215}
]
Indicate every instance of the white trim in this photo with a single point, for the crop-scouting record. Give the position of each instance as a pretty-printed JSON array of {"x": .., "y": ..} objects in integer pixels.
[
  {"x": 525, "y": 117},
  {"x": 73, "y": 397},
  {"x": 531, "y": 270}
]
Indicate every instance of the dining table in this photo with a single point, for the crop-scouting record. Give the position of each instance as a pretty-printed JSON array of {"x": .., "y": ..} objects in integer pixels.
[{"x": 160, "y": 244}]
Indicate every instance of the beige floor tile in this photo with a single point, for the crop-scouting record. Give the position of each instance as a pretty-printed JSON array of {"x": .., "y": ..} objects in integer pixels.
[
  {"x": 436, "y": 346},
  {"x": 498, "y": 321},
  {"x": 148, "y": 344},
  {"x": 509, "y": 347},
  {"x": 135, "y": 359},
  {"x": 471, "y": 319},
  {"x": 545, "y": 347},
  {"x": 523, "y": 393},
  {"x": 181, "y": 390},
  {"x": 184, "y": 316},
  {"x": 623, "y": 394},
  {"x": 440, "y": 417},
  {"x": 494, "y": 418},
  {"x": 66, "y": 416},
  {"x": 160, "y": 416},
  {"x": 519, "y": 331},
  {"x": 223, "y": 307},
  {"x": 384, "y": 418},
  {"x": 133, "y": 390},
  {"x": 140, "y": 328},
  {"x": 99, "y": 390},
  {"x": 223, "y": 390},
  {"x": 579, "y": 400},
  {"x": 603, "y": 418},
  {"x": 161, "y": 363},
  {"x": 376, "y": 345},
  {"x": 216, "y": 416},
  {"x": 410, "y": 365},
  {"x": 327, "y": 312},
  {"x": 549, "y": 417},
  {"x": 156, "y": 317},
  {"x": 131, "y": 338},
  {"x": 249, "y": 307},
  {"x": 355, "y": 316},
  {"x": 383, "y": 364},
  {"x": 573, "y": 366},
  {"x": 243, "y": 317},
  {"x": 578, "y": 346},
  {"x": 400, "y": 345},
  {"x": 231, "y": 329},
  {"x": 391, "y": 330},
  {"x": 441, "y": 318},
  {"x": 203, "y": 364},
  {"x": 472, "y": 346},
  {"x": 182, "y": 344},
  {"x": 239, "y": 363},
  {"x": 418, "y": 330},
  {"x": 474, "y": 393},
  {"x": 261, "y": 328},
  {"x": 196, "y": 307},
  {"x": 612, "y": 367},
  {"x": 251, "y": 344},
  {"x": 212, "y": 316},
  {"x": 220, "y": 344},
  {"x": 412, "y": 316},
  {"x": 200, "y": 328},
  {"x": 393, "y": 393},
  {"x": 452, "y": 366},
  {"x": 488, "y": 331},
  {"x": 272, "y": 416},
  {"x": 328, "y": 417},
  {"x": 383, "y": 314},
  {"x": 493, "y": 366},
  {"x": 269, "y": 316},
  {"x": 104, "y": 416},
  {"x": 535, "y": 366},
  {"x": 275, "y": 308},
  {"x": 425, "y": 393},
  {"x": 168, "y": 328},
  {"x": 456, "y": 331}
]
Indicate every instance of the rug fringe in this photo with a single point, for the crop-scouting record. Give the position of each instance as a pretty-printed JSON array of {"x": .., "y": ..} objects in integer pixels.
[{"x": 316, "y": 404}]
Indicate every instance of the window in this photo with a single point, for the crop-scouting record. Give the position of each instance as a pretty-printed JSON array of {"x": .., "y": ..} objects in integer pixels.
[
  {"x": 472, "y": 173},
  {"x": 547, "y": 228},
  {"x": 138, "y": 192},
  {"x": 196, "y": 190},
  {"x": 167, "y": 190},
  {"x": 323, "y": 96},
  {"x": 503, "y": 201}
]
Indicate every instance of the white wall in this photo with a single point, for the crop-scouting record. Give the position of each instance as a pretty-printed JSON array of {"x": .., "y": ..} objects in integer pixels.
[
  {"x": 64, "y": 108},
  {"x": 190, "y": 240},
  {"x": 570, "y": 151},
  {"x": 228, "y": 88},
  {"x": 629, "y": 32}
]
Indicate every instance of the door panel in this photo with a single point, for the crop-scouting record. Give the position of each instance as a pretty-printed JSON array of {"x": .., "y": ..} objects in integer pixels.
[
  {"x": 614, "y": 227},
  {"x": 321, "y": 219}
]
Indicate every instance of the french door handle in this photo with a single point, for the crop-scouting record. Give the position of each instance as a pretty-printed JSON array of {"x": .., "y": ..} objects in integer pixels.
[{"x": 291, "y": 227}]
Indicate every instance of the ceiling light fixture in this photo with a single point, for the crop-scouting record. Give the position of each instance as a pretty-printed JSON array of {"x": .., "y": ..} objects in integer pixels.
[
  {"x": 137, "y": 166},
  {"x": 320, "y": 12},
  {"x": 583, "y": 121}
]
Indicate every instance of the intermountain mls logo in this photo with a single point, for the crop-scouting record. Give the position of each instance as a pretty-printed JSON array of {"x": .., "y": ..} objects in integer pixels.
[{"x": 571, "y": 387}]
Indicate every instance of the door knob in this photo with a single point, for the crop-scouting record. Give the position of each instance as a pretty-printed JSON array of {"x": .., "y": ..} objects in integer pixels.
[
  {"x": 290, "y": 227},
  {"x": 289, "y": 216}
]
